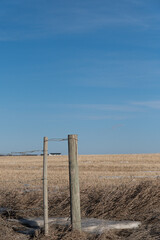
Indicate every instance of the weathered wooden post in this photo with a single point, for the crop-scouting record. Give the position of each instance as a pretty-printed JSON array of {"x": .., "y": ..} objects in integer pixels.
[
  {"x": 74, "y": 182},
  {"x": 45, "y": 188}
]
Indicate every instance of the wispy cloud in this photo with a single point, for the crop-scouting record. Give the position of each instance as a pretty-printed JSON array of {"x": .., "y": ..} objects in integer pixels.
[
  {"x": 107, "y": 111},
  {"x": 95, "y": 112},
  {"x": 96, "y": 117},
  {"x": 112, "y": 111},
  {"x": 119, "y": 73},
  {"x": 23, "y": 19},
  {"x": 148, "y": 104},
  {"x": 103, "y": 107},
  {"x": 89, "y": 112}
]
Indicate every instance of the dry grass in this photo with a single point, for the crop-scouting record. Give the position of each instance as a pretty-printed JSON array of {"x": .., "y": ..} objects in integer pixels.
[
  {"x": 102, "y": 195},
  {"x": 93, "y": 169}
]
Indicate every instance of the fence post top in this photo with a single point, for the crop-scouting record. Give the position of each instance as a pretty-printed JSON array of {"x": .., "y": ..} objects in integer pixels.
[{"x": 73, "y": 136}]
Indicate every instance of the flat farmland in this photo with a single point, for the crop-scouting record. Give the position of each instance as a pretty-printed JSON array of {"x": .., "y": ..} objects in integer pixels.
[
  {"x": 18, "y": 171},
  {"x": 112, "y": 187}
]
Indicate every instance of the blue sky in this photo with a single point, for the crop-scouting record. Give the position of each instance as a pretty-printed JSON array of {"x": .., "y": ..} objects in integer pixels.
[{"x": 85, "y": 67}]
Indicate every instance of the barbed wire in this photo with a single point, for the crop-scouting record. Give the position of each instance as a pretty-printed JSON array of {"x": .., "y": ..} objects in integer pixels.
[
  {"x": 34, "y": 151},
  {"x": 30, "y": 151},
  {"x": 18, "y": 153},
  {"x": 57, "y": 139}
]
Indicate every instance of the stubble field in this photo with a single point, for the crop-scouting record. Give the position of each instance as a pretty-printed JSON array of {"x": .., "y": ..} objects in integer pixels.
[{"x": 116, "y": 187}]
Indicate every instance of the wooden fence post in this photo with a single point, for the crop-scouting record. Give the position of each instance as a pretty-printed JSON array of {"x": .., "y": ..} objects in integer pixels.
[
  {"x": 74, "y": 182},
  {"x": 45, "y": 188}
]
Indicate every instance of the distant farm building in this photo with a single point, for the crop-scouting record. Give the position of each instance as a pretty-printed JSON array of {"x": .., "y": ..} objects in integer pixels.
[{"x": 54, "y": 154}]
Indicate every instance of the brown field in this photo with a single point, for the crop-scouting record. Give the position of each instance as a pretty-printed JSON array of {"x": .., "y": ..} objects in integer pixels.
[
  {"x": 93, "y": 169},
  {"x": 112, "y": 187}
]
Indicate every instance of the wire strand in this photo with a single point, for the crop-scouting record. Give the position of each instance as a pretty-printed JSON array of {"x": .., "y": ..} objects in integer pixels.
[
  {"x": 30, "y": 151},
  {"x": 57, "y": 139}
]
